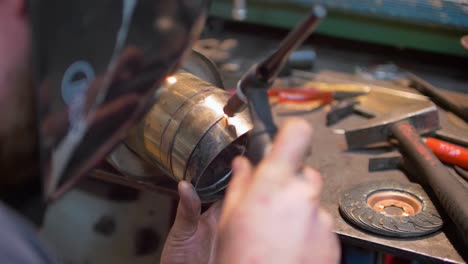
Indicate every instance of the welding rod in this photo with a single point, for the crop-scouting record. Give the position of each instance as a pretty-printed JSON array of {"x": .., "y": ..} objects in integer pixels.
[{"x": 262, "y": 75}]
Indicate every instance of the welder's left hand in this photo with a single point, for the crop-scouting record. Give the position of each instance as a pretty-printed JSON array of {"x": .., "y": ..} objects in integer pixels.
[{"x": 192, "y": 238}]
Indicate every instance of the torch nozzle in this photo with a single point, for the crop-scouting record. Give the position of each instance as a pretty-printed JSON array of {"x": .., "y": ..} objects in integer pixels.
[
  {"x": 234, "y": 106},
  {"x": 261, "y": 75}
]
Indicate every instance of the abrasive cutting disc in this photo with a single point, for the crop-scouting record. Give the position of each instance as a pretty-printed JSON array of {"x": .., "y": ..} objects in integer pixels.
[{"x": 390, "y": 208}]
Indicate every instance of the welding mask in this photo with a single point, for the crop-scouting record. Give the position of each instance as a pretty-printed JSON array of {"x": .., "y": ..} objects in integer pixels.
[{"x": 100, "y": 67}]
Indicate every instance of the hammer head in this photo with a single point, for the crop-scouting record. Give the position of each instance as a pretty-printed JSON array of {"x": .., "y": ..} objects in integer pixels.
[{"x": 391, "y": 106}]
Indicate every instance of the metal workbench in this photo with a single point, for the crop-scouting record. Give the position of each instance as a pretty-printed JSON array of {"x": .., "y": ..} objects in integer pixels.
[{"x": 343, "y": 169}]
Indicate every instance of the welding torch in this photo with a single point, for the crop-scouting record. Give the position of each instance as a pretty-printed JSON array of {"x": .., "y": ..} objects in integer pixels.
[{"x": 252, "y": 88}]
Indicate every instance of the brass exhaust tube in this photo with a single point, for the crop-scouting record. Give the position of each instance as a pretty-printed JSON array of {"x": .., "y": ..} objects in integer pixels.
[{"x": 188, "y": 136}]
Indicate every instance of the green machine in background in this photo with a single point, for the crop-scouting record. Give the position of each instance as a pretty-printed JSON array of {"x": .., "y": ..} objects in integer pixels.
[{"x": 428, "y": 25}]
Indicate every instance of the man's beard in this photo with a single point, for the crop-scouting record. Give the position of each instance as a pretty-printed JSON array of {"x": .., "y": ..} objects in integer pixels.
[{"x": 19, "y": 155}]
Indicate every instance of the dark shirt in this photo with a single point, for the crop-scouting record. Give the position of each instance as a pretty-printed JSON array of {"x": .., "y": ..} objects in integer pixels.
[{"x": 19, "y": 242}]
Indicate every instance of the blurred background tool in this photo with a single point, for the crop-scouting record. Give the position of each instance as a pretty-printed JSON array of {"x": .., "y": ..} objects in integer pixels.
[
  {"x": 292, "y": 101},
  {"x": 300, "y": 95},
  {"x": 386, "y": 163},
  {"x": 452, "y": 128},
  {"x": 341, "y": 110},
  {"x": 401, "y": 76},
  {"x": 324, "y": 92},
  {"x": 438, "y": 97},
  {"x": 449, "y": 153},
  {"x": 301, "y": 59},
  {"x": 239, "y": 12}
]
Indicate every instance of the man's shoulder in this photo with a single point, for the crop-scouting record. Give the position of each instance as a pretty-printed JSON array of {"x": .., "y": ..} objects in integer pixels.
[{"x": 18, "y": 240}]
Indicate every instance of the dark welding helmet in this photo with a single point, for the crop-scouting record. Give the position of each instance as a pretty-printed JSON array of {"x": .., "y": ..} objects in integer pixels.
[{"x": 98, "y": 67}]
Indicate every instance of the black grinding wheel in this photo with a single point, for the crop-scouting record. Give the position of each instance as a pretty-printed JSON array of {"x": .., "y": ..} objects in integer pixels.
[{"x": 390, "y": 208}]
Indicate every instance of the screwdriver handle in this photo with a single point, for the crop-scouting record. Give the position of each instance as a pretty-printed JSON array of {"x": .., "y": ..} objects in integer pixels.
[{"x": 448, "y": 153}]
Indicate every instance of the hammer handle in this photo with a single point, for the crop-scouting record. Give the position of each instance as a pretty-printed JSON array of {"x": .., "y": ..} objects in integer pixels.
[
  {"x": 452, "y": 195},
  {"x": 437, "y": 96}
]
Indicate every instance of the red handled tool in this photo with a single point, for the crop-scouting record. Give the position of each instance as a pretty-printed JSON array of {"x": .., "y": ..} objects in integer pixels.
[
  {"x": 448, "y": 153},
  {"x": 310, "y": 94},
  {"x": 300, "y": 95}
]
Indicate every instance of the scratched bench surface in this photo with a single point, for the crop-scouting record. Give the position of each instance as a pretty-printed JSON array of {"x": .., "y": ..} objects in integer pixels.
[{"x": 342, "y": 169}]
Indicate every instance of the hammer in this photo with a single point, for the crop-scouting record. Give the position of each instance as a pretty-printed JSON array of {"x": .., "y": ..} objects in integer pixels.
[{"x": 403, "y": 116}]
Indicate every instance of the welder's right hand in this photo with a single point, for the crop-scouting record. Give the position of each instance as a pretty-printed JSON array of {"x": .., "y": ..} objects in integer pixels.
[{"x": 271, "y": 213}]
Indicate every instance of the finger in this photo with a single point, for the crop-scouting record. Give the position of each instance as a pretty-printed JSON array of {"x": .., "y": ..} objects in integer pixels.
[
  {"x": 330, "y": 239},
  {"x": 242, "y": 176},
  {"x": 305, "y": 188},
  {"x": 325, "y": 220},
  {"x": 287, "y": 153},
  {"x": 321, "y": 229},
  {"x": 314, "y": 181},
  {"x": 188, "y": 212},
  {"x": 292, "y": 142},
  {"x": 213, "y": 213}
]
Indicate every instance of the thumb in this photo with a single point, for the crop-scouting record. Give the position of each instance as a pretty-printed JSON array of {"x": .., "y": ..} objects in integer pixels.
[{"x": 188, "y": 212}]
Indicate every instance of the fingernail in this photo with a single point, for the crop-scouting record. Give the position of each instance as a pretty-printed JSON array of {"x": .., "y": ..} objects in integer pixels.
[
  {"x": 188, "y": 185},
  {"x": 236, "y": 165}
]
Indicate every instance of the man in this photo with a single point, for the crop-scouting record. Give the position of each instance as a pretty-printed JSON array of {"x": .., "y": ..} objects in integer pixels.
[{"x": 270, "y": 213}]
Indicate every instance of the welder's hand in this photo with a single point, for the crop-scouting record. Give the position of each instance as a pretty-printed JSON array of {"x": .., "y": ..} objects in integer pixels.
[
  {"x": 271, "y": 214},
  {"x": 192, "y": 238}
]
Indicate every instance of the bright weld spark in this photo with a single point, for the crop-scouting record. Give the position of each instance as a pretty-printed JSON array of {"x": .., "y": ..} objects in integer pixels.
[{"x": 171, "y": 80}]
